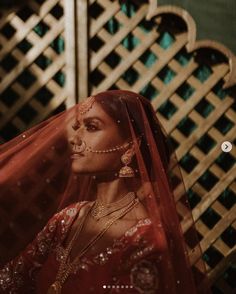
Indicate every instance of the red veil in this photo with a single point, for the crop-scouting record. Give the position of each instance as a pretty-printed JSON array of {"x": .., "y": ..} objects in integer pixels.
[{"x": 36, "y": 181}]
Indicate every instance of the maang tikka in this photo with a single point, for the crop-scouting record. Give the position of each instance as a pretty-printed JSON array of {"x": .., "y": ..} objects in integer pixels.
[{"x": 86, "y": 105}]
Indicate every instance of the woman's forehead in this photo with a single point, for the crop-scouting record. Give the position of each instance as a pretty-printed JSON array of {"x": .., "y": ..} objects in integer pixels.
[{"x": 95, "y": 112}]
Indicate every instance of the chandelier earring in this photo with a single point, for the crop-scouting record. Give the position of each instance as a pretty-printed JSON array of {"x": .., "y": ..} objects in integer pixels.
[{"x": 126, "y": 158}]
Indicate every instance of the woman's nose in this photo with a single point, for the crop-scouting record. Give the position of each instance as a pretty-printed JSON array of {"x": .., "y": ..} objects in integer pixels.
[{"x": 75, "y": 140}]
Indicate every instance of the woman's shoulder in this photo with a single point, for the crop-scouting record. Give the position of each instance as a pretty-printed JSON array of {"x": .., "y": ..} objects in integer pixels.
[
  {"x": 62, "y": 221},
  {"x": 73, "y": 209}
]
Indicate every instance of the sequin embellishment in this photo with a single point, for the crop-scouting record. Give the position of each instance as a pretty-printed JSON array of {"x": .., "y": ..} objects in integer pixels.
[{"x": 144, "y": 277}]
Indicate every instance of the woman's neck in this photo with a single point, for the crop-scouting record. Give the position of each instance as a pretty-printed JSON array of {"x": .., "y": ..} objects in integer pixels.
[{"x": 108, "y": 192}]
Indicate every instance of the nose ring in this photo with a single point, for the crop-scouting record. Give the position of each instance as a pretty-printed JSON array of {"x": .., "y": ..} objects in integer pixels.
[{"x": 79, "y": 148}]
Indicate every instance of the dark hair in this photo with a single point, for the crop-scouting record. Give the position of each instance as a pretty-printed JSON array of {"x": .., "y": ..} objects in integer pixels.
[{"x": 117, "y": 103}]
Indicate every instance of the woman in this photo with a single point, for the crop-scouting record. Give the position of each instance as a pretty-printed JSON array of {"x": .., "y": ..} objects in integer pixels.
[{"x": 119, "y": 231}]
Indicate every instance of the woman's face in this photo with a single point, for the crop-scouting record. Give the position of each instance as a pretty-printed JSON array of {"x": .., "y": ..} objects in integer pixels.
[{"x": 98, "y": 131}]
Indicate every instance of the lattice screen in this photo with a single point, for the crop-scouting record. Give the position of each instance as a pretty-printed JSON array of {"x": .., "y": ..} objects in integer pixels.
[
  {"x": 31, "y": 65},
  {"x": 128, "y": 52}
]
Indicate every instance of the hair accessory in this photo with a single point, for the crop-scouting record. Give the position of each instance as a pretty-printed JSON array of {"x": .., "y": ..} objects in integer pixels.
[{"x": 86, "y": 105}]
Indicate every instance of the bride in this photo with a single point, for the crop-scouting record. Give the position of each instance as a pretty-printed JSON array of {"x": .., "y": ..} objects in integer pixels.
[{"x": 119, "y": 229}]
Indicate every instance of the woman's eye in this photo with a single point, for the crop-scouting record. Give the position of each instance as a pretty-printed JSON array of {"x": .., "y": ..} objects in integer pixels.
[{"x": 91, "y": 127}]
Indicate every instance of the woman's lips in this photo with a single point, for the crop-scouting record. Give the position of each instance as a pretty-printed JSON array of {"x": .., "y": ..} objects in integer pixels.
[{"x": 76, "y": 155}]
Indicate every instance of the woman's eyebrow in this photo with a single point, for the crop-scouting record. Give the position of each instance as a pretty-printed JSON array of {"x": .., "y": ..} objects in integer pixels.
[{"x": 87, "y": 119}]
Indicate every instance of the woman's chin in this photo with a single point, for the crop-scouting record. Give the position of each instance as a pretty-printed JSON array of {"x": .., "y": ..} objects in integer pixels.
[
  {"x": 78, "y": 168},
  {"x": 81, "y": 169}
]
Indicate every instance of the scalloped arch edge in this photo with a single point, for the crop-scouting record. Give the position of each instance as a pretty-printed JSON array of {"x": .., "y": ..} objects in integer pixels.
[{"x": 194, "y": 44}]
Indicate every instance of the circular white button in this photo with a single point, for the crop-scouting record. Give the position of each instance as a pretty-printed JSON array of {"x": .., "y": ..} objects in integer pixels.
[{"x": 226, "y": 146}]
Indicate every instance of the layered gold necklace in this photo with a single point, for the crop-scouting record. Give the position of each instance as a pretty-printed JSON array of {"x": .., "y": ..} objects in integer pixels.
[
  {"x": 66, "y": 266},
  {"x": 100, "y": 209}
]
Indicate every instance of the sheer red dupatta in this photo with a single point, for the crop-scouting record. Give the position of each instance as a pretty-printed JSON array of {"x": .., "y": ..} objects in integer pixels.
[
  {"x": 36, "y": 172},
  {"x": 166, "y": 201}
]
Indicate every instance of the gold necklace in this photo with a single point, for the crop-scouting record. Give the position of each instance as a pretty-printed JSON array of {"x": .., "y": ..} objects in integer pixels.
[
  {"x": 100, "y": 209},
  {"x": 67, "y": 266}
]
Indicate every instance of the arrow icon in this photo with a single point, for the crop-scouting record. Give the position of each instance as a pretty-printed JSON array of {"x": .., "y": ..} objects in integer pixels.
[{"x": 226, "y": 146}]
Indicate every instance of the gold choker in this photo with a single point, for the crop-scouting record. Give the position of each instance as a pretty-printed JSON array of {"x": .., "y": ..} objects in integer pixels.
[{"x": 100, "y": 209}]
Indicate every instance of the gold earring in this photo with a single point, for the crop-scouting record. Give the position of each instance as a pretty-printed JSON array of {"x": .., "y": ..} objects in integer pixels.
[{"x": 127, "y": 171}]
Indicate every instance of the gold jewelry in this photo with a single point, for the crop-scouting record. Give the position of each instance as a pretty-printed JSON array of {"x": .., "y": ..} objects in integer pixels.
[
  {"x": 79, "y": 148},
  {"x": 66, "y": 266},
  {"x": 127, "y": 171},
  {"x": 60, "y": 279},
  {"x": 82, "y": 147},
  {"x": 86, "y": 105},
  {"x": 100, "y": 209},
  {"x": 115, "y": 148},
  {"x": 112, "y": 149}
]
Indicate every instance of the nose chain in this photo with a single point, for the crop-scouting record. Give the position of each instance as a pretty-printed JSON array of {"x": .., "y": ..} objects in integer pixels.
[
  {"x": 112, "y": 149},
  {"x": 82, "y": 147}
]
